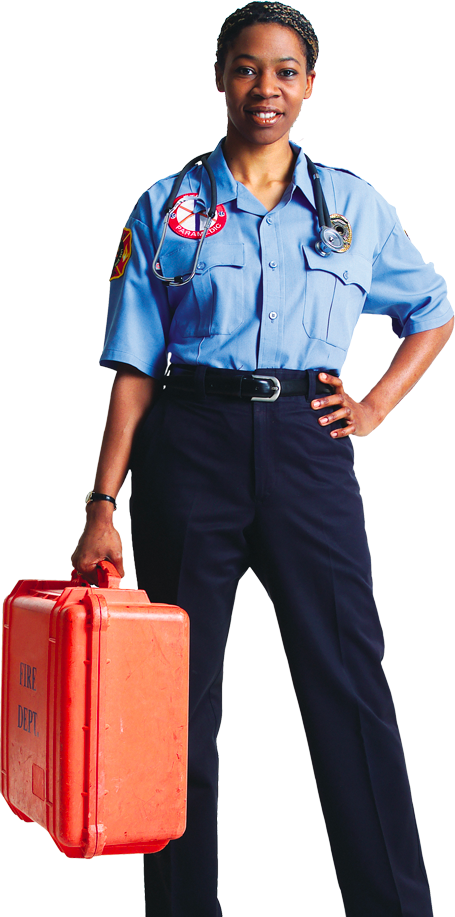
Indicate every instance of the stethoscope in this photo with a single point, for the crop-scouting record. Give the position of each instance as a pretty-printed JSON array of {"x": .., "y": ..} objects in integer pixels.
[{"x": 335, "y": 233}]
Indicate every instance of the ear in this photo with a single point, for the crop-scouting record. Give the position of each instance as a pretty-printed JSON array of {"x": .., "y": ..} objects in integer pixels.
[
  {"x": 310, "y": 78},
  {"x": 219, "y": 78}
]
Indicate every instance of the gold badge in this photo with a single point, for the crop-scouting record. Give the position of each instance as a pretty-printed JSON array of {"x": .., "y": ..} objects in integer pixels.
[{"x": 343, "y": 226}]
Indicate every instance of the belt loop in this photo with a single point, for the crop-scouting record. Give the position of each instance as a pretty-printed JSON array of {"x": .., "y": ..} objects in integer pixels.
[
  {"x": 199, "y": 382},
  {"x": 312, "y": 379}
]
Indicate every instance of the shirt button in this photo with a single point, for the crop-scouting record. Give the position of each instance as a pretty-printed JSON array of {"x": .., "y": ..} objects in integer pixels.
[
  {"x": 273, "y": 316},
  {"x": 346, "y": 275},
  {"x": 273, "y": 264},
  {"x": 269, "y": 220},
  {"x": 201, "y": 265}
]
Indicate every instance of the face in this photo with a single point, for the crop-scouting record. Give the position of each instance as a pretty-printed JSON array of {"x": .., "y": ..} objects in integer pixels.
[{"x": 265, "y": 82}]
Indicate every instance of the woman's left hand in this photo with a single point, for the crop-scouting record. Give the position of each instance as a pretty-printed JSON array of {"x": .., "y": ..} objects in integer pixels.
[{"x": 360, "y": 418}]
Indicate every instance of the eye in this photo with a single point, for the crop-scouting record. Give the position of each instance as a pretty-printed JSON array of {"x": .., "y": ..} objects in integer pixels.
[
  {"x": 288, "y": 73},
  {"x": 245, "y": 71}
]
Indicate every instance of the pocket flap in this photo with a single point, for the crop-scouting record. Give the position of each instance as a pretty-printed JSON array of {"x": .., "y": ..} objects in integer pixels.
[
  {"x": 180, "y": 258},
  {"x": 218, "y": 253},
  {"x": 349, "y": 267}
]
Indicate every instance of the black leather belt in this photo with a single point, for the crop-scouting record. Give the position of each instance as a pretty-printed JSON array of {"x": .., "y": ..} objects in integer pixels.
[{"x": 248, "y": 386}]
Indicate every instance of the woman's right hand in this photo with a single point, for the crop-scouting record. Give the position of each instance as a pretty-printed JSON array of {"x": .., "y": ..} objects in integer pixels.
[{"x": 99, "y": 541}]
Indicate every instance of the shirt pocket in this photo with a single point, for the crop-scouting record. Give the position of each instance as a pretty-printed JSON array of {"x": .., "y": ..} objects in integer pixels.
[
  {"x": 336, "y": 287},
  {"x": 213, "y": 302}
]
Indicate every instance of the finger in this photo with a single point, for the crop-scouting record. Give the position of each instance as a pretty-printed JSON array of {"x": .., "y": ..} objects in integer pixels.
[
  {"x": 117, "y": 561},
  {"x": 342, "y": 414},
  {"x": 343, "y": 431},
  {"x": 87, "y": 576},
  {"x": 91, "y": 578},
  {"x": 88, "y": 572},
  {"x": 331, "y": 380},
  {"x": 327, "y": 401}
]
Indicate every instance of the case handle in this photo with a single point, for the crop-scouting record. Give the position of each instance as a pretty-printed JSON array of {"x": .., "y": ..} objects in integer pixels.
[{"x": 107, "y": 575}]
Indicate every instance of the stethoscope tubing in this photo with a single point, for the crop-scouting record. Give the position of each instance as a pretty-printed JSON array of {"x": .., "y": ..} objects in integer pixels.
[
  {"x": 179, "y": 281},
  {"x": 319, "y": 199},
  {"x": 331, "y": 241}
]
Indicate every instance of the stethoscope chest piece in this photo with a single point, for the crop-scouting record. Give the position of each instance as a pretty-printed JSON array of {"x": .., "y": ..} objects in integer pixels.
[
  {"x": 343, "y": 227},
  {"x": 336, "y": 237},
  {"x": 335, "y": 233}
]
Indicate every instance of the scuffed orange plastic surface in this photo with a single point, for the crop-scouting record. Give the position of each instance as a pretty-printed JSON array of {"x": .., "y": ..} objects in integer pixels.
[{"x": 95, "y": 716}]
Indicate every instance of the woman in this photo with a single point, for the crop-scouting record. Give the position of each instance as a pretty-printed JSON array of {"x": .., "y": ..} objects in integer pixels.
[{"x": 245, "y": 459}]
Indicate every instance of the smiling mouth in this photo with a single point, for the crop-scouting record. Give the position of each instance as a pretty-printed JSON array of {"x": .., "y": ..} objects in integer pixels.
[{"x": 264, "y": 117}]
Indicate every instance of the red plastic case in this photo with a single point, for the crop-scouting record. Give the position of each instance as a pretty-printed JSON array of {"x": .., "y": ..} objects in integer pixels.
[{"x": 95, "y": 714}]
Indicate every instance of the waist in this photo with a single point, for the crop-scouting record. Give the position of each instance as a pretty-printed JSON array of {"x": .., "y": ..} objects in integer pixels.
[{"x": 260, "y": 385}]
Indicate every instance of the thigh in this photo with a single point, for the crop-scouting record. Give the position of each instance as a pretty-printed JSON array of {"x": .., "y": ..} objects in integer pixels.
[
  {"x": 191, "y": 501},
  {"x": 309, "y": 548}
]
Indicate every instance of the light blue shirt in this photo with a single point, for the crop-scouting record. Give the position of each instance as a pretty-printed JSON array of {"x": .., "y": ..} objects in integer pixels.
[{"x": 262, "y": 295}]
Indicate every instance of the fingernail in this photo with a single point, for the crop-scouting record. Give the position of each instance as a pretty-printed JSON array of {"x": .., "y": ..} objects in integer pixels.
[
  {"x": 316, "y": 404},
  {"x": 334, "y": 433},
  {"x": 324, "y": 419},
  {"x": 322, "y": 375}
]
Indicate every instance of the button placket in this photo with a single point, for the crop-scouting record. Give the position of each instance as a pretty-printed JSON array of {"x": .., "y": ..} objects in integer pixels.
[{"x": 271, "y": 285}]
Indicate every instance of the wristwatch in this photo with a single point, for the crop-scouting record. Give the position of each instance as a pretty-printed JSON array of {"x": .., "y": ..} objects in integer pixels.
[{"x": 93, "y": 497}]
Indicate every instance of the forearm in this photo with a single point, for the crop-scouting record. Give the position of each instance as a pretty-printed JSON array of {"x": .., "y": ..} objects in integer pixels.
[
  {"x": 411, "y": 360},
  {"x": 131, "y": 398}
]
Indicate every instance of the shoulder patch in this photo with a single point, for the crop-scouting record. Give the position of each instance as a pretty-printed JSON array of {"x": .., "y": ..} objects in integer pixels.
[{"x": 123, "y": 255}]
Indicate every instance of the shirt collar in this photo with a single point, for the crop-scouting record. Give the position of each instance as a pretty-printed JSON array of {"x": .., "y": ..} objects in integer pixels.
[
  {"x": 227, "y": 186},
  {"x": 301, "y": 178},
  {"x": 228, "y": 189}
]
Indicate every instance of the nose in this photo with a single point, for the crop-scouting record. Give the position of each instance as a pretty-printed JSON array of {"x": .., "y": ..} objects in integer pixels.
[{"x": 265, "y": 85}]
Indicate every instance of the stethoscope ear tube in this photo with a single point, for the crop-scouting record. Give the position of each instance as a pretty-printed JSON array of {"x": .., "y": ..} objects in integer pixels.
[
  {"x": 179, "y": 281},
  {"x": 179, "y": 178},
  {"x": 319, "y": 199},
  {"x": 331, "y": 239},
  {"x": 335, "y": 234}
]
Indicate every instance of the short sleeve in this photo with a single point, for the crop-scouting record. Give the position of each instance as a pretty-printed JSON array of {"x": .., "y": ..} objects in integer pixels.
[
  {"x": 138, "y": 317},
  {"x": 406, "y": 288}
]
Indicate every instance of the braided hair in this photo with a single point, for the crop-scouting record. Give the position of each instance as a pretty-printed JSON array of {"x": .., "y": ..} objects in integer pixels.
[{"x": 268, "y": 12}]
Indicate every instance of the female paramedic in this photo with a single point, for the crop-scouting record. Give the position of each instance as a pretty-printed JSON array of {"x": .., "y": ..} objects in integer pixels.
[{"x": 234, "y": 296}]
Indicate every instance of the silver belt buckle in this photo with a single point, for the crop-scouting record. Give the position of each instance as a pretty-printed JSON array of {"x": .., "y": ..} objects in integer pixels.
[{"x": 277, "y": 389}]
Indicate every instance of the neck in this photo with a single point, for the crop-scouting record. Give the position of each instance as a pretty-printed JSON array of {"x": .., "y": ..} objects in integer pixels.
[{"x": 258, "y": 164}]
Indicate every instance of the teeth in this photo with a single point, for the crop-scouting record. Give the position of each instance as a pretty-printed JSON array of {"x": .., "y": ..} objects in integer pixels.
[{"x": 265, "y": 115}]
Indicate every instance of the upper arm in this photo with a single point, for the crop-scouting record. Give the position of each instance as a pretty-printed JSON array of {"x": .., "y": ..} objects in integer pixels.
[
  {"x": 138, "y": 317},
  {"x": 406, "y": 288}
]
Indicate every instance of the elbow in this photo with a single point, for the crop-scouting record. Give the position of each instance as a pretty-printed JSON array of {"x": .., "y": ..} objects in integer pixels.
[{"x": 445, "y": 331}]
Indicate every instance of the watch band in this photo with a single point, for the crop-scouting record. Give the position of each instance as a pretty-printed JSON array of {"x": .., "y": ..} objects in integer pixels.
[{"x": 93, "y": 497}]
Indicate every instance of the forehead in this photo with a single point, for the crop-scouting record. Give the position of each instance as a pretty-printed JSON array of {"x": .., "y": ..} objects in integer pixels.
[{"x": 268, "y": 40}]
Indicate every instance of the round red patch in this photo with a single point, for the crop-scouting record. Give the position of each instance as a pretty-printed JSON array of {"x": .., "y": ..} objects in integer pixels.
[{"x": 189, "y": 217}]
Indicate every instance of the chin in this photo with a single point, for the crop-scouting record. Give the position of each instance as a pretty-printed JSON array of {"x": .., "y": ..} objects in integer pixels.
[{"x": 260, "y": 136}]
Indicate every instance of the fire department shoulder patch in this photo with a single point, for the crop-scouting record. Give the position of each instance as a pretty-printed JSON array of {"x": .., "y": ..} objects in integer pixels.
[
  {"x": 123, "y": 255},
  {"x": 189, "y": 217}
]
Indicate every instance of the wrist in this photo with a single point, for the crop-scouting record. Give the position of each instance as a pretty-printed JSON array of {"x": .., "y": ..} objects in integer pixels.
[
  {"x": 377, "y": 411},
  {"x": 95, "y": 496},
  {"x": 100, "y": 509}
]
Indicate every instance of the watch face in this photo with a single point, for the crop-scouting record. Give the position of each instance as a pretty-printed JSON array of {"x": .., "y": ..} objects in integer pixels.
[{"x": 89, "y": 496}]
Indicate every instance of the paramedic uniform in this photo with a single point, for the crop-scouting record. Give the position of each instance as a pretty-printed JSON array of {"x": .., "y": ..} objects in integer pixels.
[{"x": 221, "y": 484}]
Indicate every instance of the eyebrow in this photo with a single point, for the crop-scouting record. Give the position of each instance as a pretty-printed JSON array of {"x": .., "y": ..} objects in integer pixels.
[{"x": 279, "y": 60}]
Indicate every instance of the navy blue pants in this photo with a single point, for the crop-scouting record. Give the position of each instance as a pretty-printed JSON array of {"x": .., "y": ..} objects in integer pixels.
[{"x": 220, "y": 486}]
